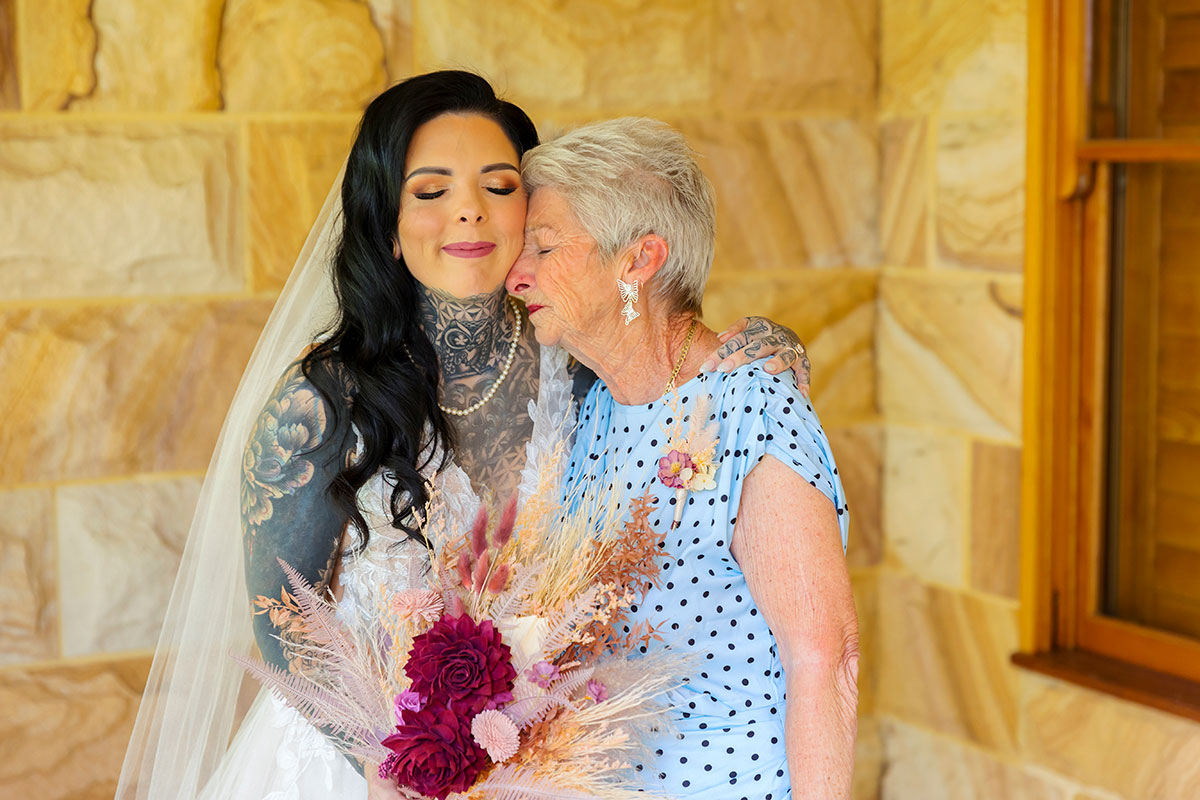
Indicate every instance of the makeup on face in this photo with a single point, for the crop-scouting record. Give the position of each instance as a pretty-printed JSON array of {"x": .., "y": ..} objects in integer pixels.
[
  {"x": 469, "y": 249},
  {"x": 462, "y": 209}
]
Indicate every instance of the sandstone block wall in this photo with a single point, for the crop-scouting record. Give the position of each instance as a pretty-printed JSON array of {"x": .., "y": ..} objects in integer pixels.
[{"x": 159, "y": 168}]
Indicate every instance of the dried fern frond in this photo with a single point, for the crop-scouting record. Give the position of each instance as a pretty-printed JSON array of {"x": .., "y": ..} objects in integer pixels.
[
  {"x": 569, "y": 623},
  {"x": 571, "y": 681},
  {"x": 354, "y": 727},
  {"x": 526, "y": 711},
  {"x": 334, "y": 649},
  {"x": 514, "y": 600},
  {"x": 511, "y": 782}
]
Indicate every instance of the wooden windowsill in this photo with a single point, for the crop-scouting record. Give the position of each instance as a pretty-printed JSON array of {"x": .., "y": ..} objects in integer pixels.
[
  {"x": 1135, "y": 151},
  {"x": 1129, "y": 682}
]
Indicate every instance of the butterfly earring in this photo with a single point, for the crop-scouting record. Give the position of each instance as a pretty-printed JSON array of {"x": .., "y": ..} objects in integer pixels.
[{"x": 629, "y": 295}]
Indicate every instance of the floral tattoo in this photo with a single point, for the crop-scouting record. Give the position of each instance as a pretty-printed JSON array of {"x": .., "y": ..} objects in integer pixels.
[{"x": 291, "y": 425}]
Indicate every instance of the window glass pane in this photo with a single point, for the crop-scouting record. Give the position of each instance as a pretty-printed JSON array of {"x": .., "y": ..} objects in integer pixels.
[
  {"x": 1179, "y": 68},
  {"x": 1145, "y": 70},
  {"x": 1109, "y": 41},
  {"x": 1152, "y": 573}
]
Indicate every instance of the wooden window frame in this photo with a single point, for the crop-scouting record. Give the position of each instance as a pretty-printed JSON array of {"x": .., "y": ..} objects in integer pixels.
[{"x": 1068, "y": 182}]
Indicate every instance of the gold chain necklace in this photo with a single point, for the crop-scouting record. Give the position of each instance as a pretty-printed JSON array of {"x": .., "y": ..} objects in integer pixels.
[{"x": 687, "y": 344}]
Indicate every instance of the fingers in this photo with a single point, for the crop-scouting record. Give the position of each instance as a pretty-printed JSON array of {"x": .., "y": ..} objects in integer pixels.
[
  {"x": 786, "y": 354},
  {"x": 720, "y": 359},
  {"x": 779, "y": 362},
  {"x": 782, "y": 353},
  {"x": 747, "y": 331},
  {"x": 736, "y": 352},
  {"x": 753, "y": 338},
  {"x": 803, "y": 371},
  {"x": 384, "y": 788},
  {"x": 735, "y": 328}
]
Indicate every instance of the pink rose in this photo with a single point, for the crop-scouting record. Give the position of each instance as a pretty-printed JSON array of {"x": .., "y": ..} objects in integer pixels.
[{"x": 408, "y": 700}]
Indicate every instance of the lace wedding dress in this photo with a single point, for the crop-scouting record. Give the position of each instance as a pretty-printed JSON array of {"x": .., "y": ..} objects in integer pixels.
[{"x": 277, "y": 754}]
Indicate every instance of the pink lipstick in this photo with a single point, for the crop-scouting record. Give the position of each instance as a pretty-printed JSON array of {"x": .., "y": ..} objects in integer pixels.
[{"x": 469, "y": 249}]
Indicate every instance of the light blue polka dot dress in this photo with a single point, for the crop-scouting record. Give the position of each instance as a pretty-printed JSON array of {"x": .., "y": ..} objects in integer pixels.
[{"x": 729, "y": 740}]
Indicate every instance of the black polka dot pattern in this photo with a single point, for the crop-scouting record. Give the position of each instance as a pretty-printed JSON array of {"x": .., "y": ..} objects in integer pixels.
[{"x": 728, "y": 740}]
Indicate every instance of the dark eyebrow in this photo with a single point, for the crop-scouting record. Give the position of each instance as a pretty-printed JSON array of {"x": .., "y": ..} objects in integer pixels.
[
  {"x": 427, "y": 171},
  {"x": 497, "y": 167}
]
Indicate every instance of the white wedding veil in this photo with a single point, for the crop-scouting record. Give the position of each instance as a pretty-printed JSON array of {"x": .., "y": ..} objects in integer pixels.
[{"x": 187, "y": 714}]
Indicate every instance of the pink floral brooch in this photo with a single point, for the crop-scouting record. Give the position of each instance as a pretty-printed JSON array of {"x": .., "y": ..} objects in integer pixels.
[{"x": 690, "y": 463}]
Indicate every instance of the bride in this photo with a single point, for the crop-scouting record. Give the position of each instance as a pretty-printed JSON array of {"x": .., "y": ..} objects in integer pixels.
[{"x": 426, "y": 369}]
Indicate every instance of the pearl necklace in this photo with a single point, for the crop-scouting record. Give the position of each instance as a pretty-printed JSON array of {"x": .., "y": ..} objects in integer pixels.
[{"x": 508, "y": 360}]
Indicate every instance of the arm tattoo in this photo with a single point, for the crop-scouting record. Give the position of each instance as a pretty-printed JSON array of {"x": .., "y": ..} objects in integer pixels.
[{"x": 289, "y": 462}]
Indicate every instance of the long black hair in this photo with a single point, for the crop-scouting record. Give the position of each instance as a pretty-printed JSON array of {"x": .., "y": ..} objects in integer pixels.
[{"x": 375, "y": 354}]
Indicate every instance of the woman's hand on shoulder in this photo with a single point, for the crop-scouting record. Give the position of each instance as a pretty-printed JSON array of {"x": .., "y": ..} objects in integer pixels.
[{"x": 754, "y": 338}]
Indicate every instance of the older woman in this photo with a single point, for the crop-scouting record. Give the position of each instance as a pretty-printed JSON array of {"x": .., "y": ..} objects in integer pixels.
[{"x": 618, "y": 245}]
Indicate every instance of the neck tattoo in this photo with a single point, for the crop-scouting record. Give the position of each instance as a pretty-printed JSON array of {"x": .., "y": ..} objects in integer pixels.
[{"x": 470, "y": 334}]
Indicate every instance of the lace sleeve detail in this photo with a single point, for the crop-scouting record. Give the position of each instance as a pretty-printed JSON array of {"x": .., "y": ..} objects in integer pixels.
[{"x": 553, "y": 418}]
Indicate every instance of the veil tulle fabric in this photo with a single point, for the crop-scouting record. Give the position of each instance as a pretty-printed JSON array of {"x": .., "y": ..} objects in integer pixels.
[{"x": 187, "y": 715}]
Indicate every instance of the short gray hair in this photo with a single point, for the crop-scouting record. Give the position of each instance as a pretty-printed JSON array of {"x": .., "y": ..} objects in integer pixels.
[{"x": 628, "y": 177}]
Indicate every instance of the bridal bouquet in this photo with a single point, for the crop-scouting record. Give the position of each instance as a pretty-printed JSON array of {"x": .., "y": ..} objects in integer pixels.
[{"x": 514, "y": 673}]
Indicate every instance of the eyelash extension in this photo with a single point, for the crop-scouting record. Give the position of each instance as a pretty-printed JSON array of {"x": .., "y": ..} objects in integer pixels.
[{"x": 435, "y": 195}]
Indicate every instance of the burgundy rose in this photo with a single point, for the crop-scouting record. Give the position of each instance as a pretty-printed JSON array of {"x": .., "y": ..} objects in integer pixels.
[
  {"x": 460, "y": 664},
  {"x": 434, "y": 752}
]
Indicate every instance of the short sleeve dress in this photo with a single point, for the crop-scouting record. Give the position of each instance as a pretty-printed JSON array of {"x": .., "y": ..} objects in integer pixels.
[{"x": 729, "y": 739}]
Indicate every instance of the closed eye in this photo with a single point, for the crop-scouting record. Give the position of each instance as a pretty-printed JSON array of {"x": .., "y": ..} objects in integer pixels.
[
  {"x": 502, "y": 190},
  {"x": 429, "y": 195}
]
